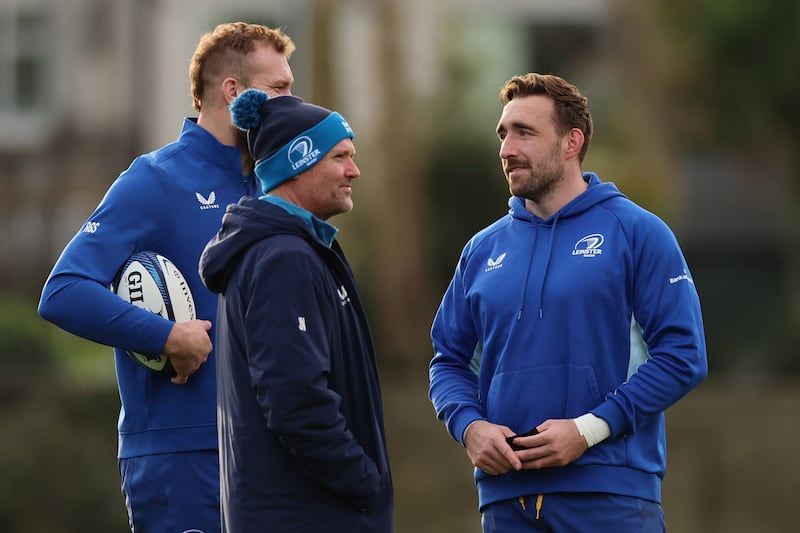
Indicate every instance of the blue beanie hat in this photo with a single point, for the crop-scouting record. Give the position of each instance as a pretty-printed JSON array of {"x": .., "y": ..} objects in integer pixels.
[{"x": 285, "y": 135}]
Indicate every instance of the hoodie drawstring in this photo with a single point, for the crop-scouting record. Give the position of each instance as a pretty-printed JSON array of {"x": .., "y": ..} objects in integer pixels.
[
  {"x": 539, "y": 500},
  {"x": 547, "y": 266},
  {"x": 526, "y": 273}
]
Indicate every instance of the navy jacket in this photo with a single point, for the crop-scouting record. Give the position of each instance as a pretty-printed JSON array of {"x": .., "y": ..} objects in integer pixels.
[{"x": 302, "y": 441}]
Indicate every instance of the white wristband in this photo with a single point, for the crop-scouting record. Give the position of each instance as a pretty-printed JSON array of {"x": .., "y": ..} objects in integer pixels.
[{"x": 595, "y": 430}]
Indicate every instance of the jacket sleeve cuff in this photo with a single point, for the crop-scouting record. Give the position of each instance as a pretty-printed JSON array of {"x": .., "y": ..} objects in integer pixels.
[
  {"x": 463, "y": 421},
  {"x": 614, "y": 417}
]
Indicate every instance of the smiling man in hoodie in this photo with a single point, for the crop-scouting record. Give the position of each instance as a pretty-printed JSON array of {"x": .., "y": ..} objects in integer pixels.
[
  {"x": 302, "y": 444},
  {"x": 568, "y": 328}
]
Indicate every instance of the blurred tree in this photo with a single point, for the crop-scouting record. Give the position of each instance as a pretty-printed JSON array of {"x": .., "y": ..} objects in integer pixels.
[
  {"x": 396, "y": 277},
  {"x": 24, "y": 350},
  {"x": 741, "y": 72},
  {"x": 463, "y": 177},
  {"x": 322, "y": 21},
  {"x": 722, "y": 77},
  {"x": 751, "y": 107}
]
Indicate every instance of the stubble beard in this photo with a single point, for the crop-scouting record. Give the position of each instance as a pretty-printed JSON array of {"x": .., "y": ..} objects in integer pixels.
[
  {"x": 343, "y": 203},
  {"x": 542, "y": 179},
  {"x": 541, "y": 184}
]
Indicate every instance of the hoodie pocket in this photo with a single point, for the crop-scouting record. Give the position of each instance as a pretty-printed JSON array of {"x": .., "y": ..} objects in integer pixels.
[{"x": 524, "y": 398}]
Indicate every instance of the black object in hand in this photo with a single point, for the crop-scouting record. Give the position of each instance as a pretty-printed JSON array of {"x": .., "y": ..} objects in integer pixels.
[{"x": 517, "y": 447}]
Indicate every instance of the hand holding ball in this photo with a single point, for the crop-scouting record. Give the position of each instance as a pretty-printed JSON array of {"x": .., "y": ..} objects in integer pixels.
[{"x": 152, "y": 282}]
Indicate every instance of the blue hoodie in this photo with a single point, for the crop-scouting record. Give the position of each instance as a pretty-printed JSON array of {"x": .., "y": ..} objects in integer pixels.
[
  {"x": 593, "y": 310},
  {"x": 171, "y": 202},
  {"x": 302, "y": 443}
]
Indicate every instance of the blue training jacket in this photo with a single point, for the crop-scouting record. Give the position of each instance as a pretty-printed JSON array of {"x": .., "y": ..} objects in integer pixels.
[
  {"x": 302, "y": 444},
  {"x": 593, "y": 310},
  {"x": 169, "y": 201}
]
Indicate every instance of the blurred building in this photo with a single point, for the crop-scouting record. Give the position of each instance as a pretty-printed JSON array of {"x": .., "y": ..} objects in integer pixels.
[{"x": 86, "y": 85}]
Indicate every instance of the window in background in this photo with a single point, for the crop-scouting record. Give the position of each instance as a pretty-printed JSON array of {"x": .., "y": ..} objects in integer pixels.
[{"x": 25, "y": 74}]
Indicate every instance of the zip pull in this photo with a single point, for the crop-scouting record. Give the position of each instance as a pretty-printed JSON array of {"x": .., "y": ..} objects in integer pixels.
[{"x": 522, "y": 503}]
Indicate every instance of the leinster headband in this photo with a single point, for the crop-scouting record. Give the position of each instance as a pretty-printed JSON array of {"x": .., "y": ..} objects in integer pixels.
[{"x": 285, "y": 135}]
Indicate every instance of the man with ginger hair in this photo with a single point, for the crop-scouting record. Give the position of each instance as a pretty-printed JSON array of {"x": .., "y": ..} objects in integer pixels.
[{"x": 170, "y": 201}]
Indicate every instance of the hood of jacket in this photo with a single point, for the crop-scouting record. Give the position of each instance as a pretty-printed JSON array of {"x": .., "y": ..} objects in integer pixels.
[
  {"x": 597, "y": 192},
  {"x": 244, "y": 223}
]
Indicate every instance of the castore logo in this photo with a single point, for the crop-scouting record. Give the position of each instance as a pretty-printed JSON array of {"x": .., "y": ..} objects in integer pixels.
[
  {"x": 494, "y": 264},
  {"x": 207, "y": 203}
]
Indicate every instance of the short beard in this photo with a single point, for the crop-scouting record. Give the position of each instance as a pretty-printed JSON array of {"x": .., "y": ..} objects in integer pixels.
[
  {"x": 543, "y": 179},
  {"x": 541, "y": 184}
]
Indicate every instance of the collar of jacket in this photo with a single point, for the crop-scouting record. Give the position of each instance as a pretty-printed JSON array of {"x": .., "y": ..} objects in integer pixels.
[{"x": 326, "y": 232}]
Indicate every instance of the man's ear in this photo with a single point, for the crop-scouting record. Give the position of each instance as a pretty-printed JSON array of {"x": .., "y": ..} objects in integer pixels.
[
  {"x": 573, "y": 142},
  {"x": 231, "y": 89}
]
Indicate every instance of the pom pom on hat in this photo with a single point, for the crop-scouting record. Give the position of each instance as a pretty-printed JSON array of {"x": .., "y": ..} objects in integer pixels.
[
  {"x": 285, "y": 135},
  {"x": 244, "y": 110}
]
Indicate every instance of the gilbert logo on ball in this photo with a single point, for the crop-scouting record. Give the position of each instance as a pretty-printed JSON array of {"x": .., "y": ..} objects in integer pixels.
[{"x": 152, "y": 282}]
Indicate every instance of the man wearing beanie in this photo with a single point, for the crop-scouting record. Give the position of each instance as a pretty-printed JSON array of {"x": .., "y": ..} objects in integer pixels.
[{"x": 302, "y": 442}]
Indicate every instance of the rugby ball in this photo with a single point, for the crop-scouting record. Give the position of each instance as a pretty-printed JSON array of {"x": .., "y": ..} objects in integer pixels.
[{"x": 152, "y": 282}]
